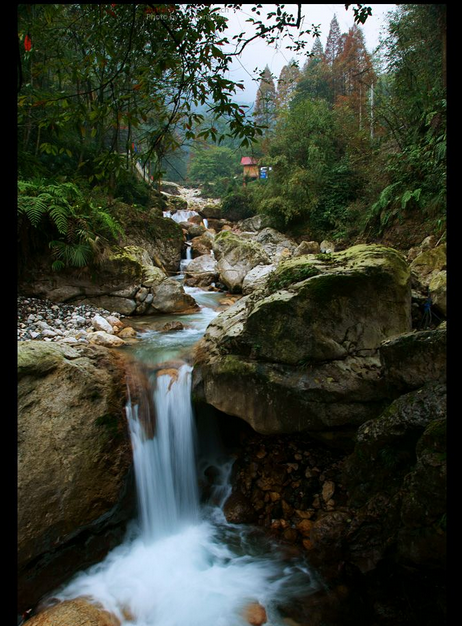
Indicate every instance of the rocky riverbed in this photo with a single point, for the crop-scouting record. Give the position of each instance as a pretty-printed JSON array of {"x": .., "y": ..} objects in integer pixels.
[{"x": 47, "y": 321}]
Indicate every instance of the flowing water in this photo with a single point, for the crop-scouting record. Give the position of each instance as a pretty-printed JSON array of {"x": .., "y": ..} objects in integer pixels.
[{"x": 182, "y": 563}]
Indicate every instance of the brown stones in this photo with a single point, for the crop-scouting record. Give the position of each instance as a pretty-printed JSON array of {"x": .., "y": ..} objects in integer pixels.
[
  {"x": 238, "y": 509},
  {"x": 255, "y": 614},
  {"x": 78, "y": 612}
]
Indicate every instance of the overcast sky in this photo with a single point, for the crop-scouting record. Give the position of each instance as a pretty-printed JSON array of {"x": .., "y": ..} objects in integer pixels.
[{"x": 258, "y": 55}]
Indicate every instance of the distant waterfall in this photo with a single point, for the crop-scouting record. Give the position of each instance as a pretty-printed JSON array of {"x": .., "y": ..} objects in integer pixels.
[{"x": 165, "y": 464}]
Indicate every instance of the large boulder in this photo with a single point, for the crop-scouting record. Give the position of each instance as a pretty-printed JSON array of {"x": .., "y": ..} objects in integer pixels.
[
  {"x": 74, "y": 462},
  {"x": 277, "y": 245},
  {"x": 112, "y": 285},
  {"x": 236, "y": 256},
  {"x": 201, "y": 271},
  {"x": 170, "y": 297},
  {"x": 302, "y": 353},
  {"x": 316, "y": 311},
  {"x": 396, "y": 478},
  {"x": 147, "y": 228}
]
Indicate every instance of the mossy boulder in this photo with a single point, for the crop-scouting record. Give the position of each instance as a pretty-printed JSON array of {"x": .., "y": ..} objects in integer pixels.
[
  {"x": 328, "y": 309},
  {"x": 429, "y": 262},
  {"x": 301, "y": 354},
  {"x": 147, "y": 228},
  {"x": 74, "y": 462},
  {"x": 236, "y": 256},
  {"x": 113, "y": 284}
]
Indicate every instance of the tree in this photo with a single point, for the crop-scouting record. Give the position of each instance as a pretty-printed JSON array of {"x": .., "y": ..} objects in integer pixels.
[
  {"x": 265, "y": 103},
  {"x": 287, "y": 83},
  {"x": 355, "y": 74},
  {"x": 208, "y": 164},
  {"x": 301, "y": 155},
  {"x": 315, "y": 77},
  {"x": 411, "y": 106},
  {"x": 97, "y": 81},
  {"x": 334, "y": 42}
]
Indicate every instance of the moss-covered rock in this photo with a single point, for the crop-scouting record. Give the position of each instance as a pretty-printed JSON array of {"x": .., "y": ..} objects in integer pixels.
[
  {"x": 74, "y": 462},
  {"x": 327, "y": 309},
  {"x": 148, "y": 229},
  {"x": 396, "y": 479},
  {"x": 304, "y": 357}
]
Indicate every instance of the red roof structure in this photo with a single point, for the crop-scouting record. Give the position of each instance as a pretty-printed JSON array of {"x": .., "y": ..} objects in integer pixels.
[{"x": 248, "y": 161}]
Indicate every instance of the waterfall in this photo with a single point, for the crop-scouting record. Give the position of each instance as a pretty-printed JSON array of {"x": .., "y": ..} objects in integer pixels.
[
  {"x": 182, "y": 215},
  {"x": 165, "y": 464},
  {"x": 182, "y": 563}
]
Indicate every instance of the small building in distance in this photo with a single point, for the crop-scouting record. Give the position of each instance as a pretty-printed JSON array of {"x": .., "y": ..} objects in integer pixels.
[{"x": 250, "y": 168}]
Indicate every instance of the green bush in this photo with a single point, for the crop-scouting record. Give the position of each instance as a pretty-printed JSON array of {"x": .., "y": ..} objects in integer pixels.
[
  {"x": 59, "y": 216},
  {"x": 238, "y": 205}
]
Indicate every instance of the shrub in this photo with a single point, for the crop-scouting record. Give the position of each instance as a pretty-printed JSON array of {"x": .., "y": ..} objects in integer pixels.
[{"x": 238, "y": 205}]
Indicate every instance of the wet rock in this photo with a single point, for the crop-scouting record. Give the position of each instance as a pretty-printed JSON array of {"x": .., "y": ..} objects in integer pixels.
[
  {"x": 78, "y": 612},
  {"x": 255, "y": 614},
  {"x": 238, "y": 510},
  {"x": 201, "y": 271},
  {"x": 170, "y": 297},
  {"x": 127, "y": 333},
  {"x": 101, "y": 338},
  {"x": 74, "y": 461},
  {"x": 169, "y": 326},
  {"x": 100, "y": 323}
]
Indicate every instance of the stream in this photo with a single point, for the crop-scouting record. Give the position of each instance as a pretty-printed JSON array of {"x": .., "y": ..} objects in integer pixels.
[{"x": 182, "y": 563}]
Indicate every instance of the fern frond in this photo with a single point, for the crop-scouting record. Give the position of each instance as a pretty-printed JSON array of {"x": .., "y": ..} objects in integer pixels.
[
  {"x": 60, "y": 213},
  {"x": 33, "y": 207},
  {"x": 71, "y": 255}
]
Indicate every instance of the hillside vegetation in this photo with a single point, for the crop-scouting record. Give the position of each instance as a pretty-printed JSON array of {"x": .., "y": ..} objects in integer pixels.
[{"x": 356, "y": 141}]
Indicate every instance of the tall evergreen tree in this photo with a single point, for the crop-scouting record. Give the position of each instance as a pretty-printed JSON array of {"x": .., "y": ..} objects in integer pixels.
[
  {"x": 334, "y": 47},
  {"x": 265, "y": 103},
  {"x": 314, "y": 81},
  {"x": 334, "y": 41},
  {"x": 287, "y": 83}
]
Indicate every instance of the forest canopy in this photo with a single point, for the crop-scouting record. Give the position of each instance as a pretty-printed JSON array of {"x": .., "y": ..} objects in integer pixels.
[{"x": 354, "y": 139}]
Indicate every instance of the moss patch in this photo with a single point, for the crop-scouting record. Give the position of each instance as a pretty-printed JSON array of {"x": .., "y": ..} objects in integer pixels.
[{"x": 290, "y": 274}]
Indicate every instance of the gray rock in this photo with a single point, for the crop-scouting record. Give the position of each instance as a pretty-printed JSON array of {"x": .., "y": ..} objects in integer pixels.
[{"x": 74, "y": 459}]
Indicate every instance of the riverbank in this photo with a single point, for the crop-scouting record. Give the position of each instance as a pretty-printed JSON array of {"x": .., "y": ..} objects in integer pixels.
[{"x": 48, "y": 321}]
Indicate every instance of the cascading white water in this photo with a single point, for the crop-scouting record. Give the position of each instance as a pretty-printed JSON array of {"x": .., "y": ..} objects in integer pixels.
[
  {"x": 182, "y": 563},
  {"x": 165, "y": 465},
  {"x": 183, "y": 215}
]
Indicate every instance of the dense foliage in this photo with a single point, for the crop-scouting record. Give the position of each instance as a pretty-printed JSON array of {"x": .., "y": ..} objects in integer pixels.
[
  {"x": 107, "y": 91},
  {"x": 360, "y": 143}
]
